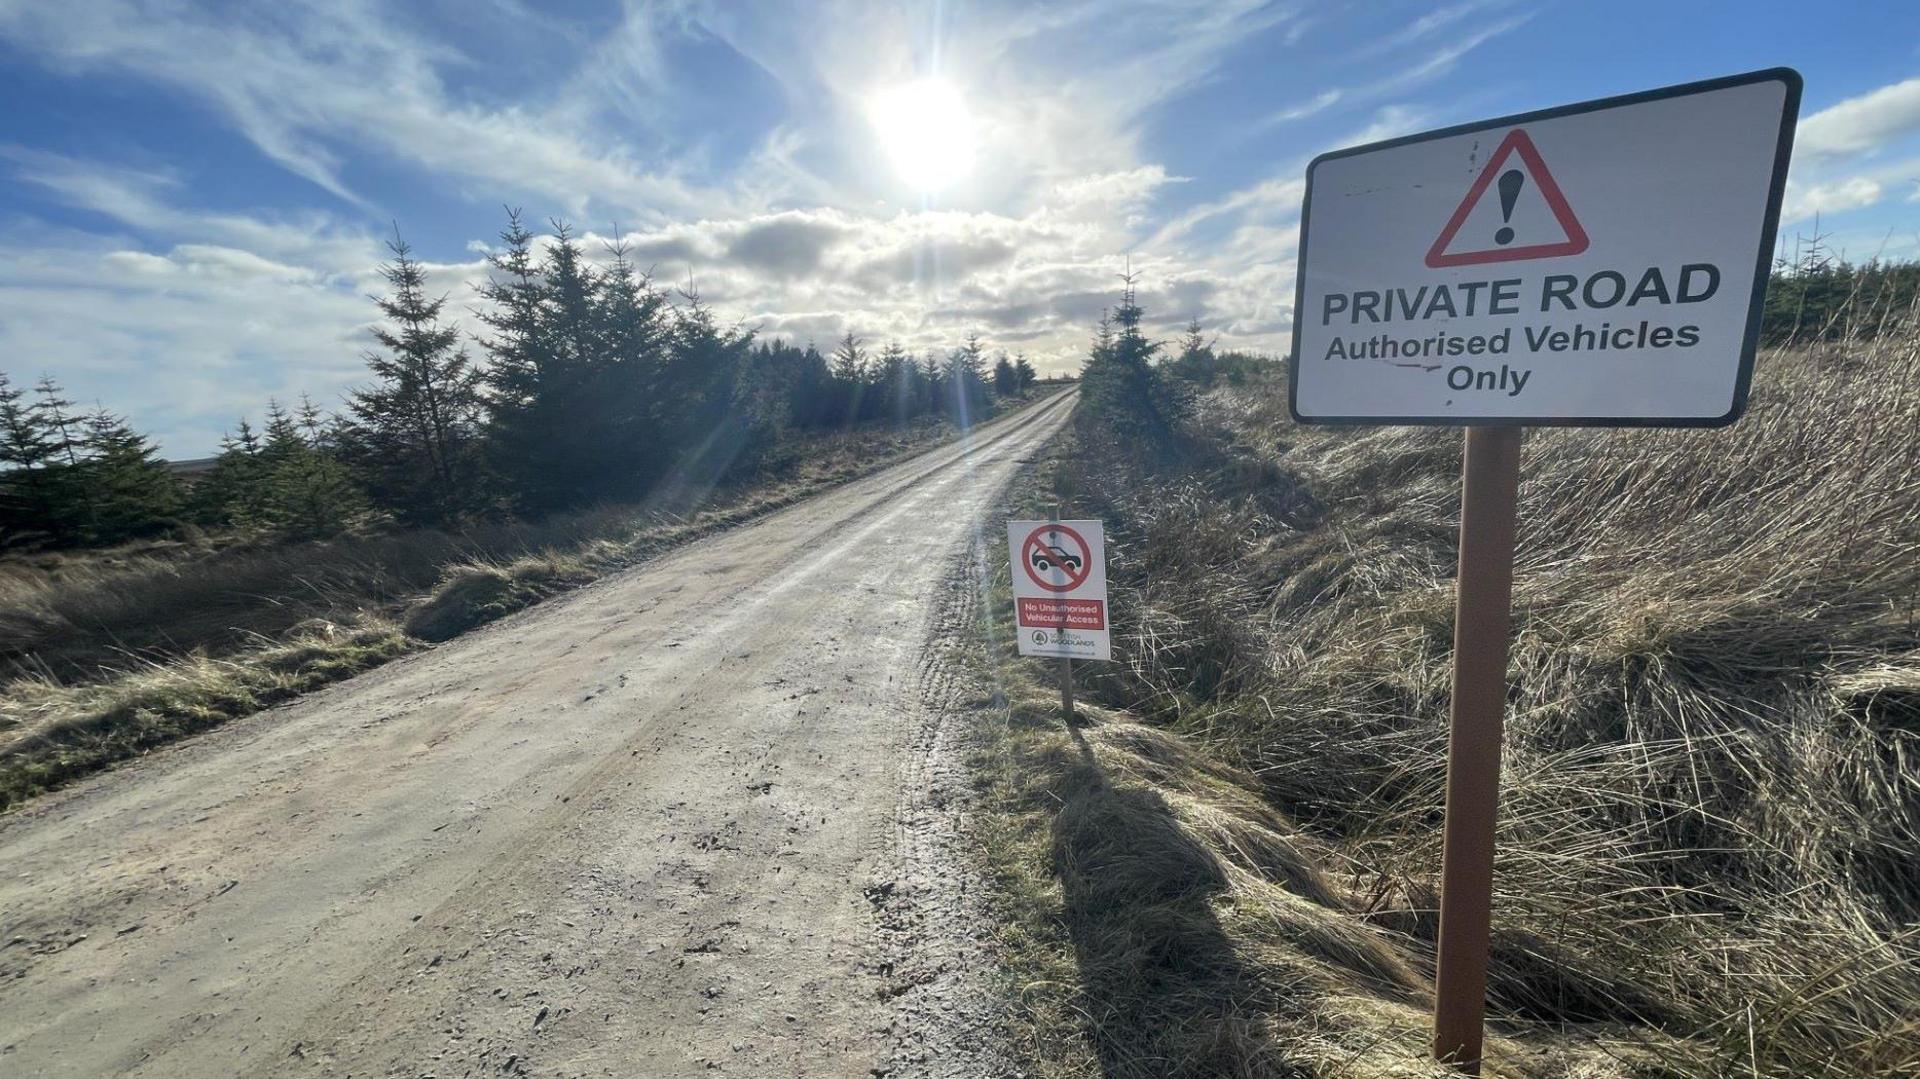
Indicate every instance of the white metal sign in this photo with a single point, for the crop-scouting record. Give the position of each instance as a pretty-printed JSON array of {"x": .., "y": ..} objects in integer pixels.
[
  {"x": 1601, "y": 264},
  {"x": 1060, "y": 588}
]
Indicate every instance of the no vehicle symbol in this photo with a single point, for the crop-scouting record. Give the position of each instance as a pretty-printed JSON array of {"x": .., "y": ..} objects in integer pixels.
[{"x": 1056, "y": 558}]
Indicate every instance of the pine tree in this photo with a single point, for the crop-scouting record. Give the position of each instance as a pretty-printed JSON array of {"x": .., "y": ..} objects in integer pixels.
[
  {"x": 520, "y": 370},
  {"x": 556, "y": 428},
  {"x": 135, "y": 494},
  {"x": 622, "y": 401},
  {"x": 283, "y": 439},
  {"x": 966, "y": 382},
  {"x": 891, "y": 386},
  {"x": 1006, "y": 380},
  {"x": 1124, "y": 398},
  {"x": 1196, "y": 359},
  {"x": 307, "y": 492},
  {"x": 810, "y": 389},
  {"x": 75, "y": 505},
  {"x": 27, "y": 453},
  {"x": 934, "y": 379},
  {"x": 65, "y": 428},
  {"x": 716, "y": 429},
  {"x": 1027, "y": 375},
  {"x": 850, "y": 373},
  {"x": 417, "y": 424},
  {"x": 233, "y": 494},
  {"x": 313, "y": 425}
]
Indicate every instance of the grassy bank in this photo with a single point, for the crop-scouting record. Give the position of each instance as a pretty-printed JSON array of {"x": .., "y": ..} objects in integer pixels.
[
  {"x": 1711, "y": 810},
  {"x": 108, "y": 655}
]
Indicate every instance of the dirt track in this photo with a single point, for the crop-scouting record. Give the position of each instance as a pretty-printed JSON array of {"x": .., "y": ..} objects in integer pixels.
[{"x": 688, "y": 820}]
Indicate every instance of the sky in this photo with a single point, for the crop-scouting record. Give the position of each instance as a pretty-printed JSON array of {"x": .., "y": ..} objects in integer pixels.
[{"x": 195, "y": 197}]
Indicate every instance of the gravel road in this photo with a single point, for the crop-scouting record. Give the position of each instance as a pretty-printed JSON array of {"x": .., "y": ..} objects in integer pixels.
[{"x": 693, "y": 819}]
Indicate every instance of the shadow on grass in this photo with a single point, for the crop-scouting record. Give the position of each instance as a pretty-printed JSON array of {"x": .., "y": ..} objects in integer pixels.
[{"x": 1164, "y": 991}]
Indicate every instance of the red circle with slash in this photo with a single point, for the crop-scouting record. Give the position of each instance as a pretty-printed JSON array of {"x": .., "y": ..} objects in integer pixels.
[{"x": 1037, "y": 557}]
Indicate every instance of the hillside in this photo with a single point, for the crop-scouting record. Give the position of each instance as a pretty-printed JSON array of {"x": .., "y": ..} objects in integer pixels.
[{"x": 1711, "y": 804}]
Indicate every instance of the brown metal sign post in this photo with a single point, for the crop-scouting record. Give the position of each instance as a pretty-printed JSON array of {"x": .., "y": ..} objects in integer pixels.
[{"x": 1481, "y": 626}]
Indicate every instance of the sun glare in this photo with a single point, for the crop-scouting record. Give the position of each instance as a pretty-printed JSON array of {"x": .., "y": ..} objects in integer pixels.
[{"x": 926, "y": 131}]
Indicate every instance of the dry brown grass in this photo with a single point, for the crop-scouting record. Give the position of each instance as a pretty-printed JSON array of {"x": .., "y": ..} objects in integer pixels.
[
  {"x": 109, "y": 654},
  {"x": 1711, "y": 811}
]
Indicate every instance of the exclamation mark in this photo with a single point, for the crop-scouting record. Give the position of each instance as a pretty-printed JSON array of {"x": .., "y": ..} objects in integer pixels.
[{"x": 1511, "y": 181}]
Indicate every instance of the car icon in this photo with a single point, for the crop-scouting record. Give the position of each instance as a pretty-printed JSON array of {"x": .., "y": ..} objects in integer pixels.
[{"x": 1049, "y": 556}]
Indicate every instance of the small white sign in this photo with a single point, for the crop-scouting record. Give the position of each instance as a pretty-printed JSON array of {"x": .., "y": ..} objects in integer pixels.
[
  {"x": 1601, "y": 264},
  {"x": 1060, "y": 588}
]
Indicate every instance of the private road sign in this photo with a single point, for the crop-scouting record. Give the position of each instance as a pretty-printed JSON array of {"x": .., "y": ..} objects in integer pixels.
[{"x": 1601, "y": 264}]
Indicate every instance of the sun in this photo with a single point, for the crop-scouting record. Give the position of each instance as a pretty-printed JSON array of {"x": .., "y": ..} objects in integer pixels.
[{"x": 926, "y": 131}]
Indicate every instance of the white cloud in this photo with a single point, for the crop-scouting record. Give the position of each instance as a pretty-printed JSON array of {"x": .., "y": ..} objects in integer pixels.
[
  {"x": 1389, "y": 121},
  {"x": 1282, "y": 194},
  {"x": 1319, "y": 102},
  {"x": 309, "y": 82},
  {"x": 1852, "y": 193},
  {"x": 1436, "y": 19},
  {"x": 1863, "y": 123},
  {"x": 185, "y": 340},
  {"x": 1442, "y": 59}
]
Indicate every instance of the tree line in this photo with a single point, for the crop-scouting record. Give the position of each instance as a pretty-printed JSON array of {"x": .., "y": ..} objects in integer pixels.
[
  {"x": 1818, "y": 296},
  {"x": 586, "y": 383}
]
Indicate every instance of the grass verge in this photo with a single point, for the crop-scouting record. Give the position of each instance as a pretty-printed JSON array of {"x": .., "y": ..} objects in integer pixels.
[
  {"x": 114, "y": 655},
  {"x": 1711, "y": 800}
]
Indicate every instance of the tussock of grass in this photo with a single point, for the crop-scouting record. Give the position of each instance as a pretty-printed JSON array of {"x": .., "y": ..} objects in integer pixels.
[
  {"x": 479, "y": 592},
  {"x": 1711, "y": 803},
  {"x": 1162, "y": 921},
  {"x": 50, "y": 733}
]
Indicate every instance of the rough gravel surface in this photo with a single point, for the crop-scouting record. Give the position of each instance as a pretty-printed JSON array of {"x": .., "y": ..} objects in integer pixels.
[{"x": 700, "y": 818}]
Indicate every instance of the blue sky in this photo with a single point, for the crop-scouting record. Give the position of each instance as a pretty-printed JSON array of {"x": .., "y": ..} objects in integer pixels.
[{"x": 195, "y": 195}]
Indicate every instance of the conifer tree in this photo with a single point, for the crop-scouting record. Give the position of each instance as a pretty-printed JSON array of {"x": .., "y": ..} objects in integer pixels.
[
  {"x": 966, "y": 382},
  {"x": 416, "y": 426},
  {"x": 933, "y": 378},
  {"x": 233, "y": 494},
  {"x": 1006, "y": 380},
  {"x": 1025, "y": 372},
  {"x": 850, "y": 373},
  {"x": 891, "y": 386},
  {"x": 306, "y": 491},
  {"x": 1195, "y": 360},
  {"x": 63, "y": 427},
  {"x": 622, "y": 400},
  {"x": 135, "y": 494},
  {"x": 27, "y": 453},
  {"x": 1123, "y": 396},
  {"x": 714, "y": 428},
  {"x": 283, "y": 440},
  {"x": 519, "y": 372},
  {"x": 313, "y": 425},
  {"x": 74, "y": 504},
  {"x": 552, "y": 434}
]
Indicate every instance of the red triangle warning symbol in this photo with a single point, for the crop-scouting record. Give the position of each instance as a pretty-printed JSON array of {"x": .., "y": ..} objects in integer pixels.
[{"x": 1511, "y": 182}]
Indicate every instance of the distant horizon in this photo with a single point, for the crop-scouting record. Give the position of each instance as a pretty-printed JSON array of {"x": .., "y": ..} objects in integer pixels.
[{"x": 200, "y": 197}]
